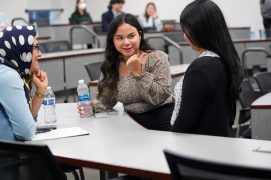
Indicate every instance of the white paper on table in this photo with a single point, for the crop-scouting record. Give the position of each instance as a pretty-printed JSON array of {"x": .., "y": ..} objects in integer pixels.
[{"x": 60, "y": 133}]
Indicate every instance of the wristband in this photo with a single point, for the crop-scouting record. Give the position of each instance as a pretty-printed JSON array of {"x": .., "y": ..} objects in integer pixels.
[{"x": 39, "y": 95}]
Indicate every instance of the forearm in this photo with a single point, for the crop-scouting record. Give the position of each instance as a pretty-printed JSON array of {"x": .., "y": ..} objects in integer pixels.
[
  {"x": 36, "y": 104},
  {"x": 154, "y": 90},
  {"x": 104, "y": 104},
  {"x": 155, "y": 84}
]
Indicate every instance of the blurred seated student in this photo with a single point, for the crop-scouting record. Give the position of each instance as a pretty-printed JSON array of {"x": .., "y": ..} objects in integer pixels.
[
  {"x": 150, "y": 19},
  {"x": 80, "y": 15},
  {"x": 205, "y": 99},
  {"x": 3, "y": 21},
  {"x": 114, "y": 9},
  {"x": 19, "y": 68},
  {"x": 266, "y": 15},
  {"x": 135, "y": 75}
]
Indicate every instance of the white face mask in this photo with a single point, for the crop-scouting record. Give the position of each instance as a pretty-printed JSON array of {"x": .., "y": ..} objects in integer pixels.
[{"x": 83, "y": 6}]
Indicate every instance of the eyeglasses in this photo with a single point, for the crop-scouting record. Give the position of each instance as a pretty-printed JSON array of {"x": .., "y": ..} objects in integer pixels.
[{"x": 36, "y": 47}]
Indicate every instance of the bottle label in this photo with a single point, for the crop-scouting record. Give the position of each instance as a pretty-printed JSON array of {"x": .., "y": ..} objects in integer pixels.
[
  {"x": 49, "y": 101},
  {"x": 83, "y": 97}
]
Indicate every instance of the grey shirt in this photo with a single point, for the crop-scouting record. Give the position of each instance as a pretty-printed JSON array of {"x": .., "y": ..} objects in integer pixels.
[
  {"x": 266, "y": 8},
  {"x": 145, "y": 93}
]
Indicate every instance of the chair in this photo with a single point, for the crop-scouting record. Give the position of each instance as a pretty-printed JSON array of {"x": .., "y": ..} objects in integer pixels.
[
  {"x": 175, "y": 36},
  {"x": 93, "y": 70},
  {"x": 72, "y": 169},
  {"x": 97, "y": 28},
  {"x": 55, "y": 46},
  {"x": 263, "y": 80},
  {"x": 191, "y": 168},
  {"x": 246, "y": 97},
  {"x": 28, "y": 162}
]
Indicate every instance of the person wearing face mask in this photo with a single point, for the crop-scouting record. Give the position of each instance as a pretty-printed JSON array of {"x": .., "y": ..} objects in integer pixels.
[
  {"x": 80, "y": 15},
  {"x": 114, "y": 9}
]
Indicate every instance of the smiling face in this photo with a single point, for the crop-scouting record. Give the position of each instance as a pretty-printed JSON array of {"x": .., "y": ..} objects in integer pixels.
[
  {"x": 127, "y": 40},
  {"x": 36, "y": 54}
]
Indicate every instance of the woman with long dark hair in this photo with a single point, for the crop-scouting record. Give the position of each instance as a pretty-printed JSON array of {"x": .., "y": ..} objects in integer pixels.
[
  {"x": 206, "y": 97},
  {"x": 80, "y": 15},
  {"x": 135, "y": 75}
]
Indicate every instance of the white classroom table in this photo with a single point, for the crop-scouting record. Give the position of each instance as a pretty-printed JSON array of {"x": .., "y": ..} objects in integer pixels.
[{"x": 119, "y": 144}]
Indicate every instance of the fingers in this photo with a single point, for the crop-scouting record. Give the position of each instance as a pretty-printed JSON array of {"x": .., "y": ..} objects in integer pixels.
[
  {"x": 136, "y": 58},
  {"x": 38, "y": 73},
  {"x": 81, "y": 109},
  {"x": 142, "y": 55},
  {"x": 40, "y": 81},
  {"x": 42, "y": 76}
]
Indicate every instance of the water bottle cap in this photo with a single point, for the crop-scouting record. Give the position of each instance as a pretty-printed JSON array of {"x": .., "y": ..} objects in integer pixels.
[
  {"x": 49, "y": 88},
  {"x": 81, "y": 81}
]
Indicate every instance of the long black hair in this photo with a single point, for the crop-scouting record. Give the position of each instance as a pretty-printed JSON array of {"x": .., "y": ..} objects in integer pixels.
[
  {"x": 110, "y": 67},
  {"x": 204, "y": 24}
]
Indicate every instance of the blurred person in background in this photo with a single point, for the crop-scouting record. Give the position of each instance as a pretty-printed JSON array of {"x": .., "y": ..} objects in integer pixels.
[
  {"x": 114, "y": 9},
  {"x": 150, "y": 20},
  {"x": 80, "y": 15},
  {"x": 266, "y": 14},
  {"x": 3, "y": 21}
]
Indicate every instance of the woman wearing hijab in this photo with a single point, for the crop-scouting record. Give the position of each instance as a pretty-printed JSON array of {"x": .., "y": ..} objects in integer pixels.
[{"x": 19, "y": 68}]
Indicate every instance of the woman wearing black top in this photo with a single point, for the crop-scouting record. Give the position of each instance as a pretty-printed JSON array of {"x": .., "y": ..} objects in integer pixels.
[{"x": 205, "y": 98}]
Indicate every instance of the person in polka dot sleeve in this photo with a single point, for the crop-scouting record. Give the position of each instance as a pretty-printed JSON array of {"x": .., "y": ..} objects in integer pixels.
[{"x": 19, "y": 69}]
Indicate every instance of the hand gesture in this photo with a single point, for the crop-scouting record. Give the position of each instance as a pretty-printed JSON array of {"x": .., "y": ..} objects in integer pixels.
[
  {"x": 154, "y": 15},
  {"x": 134, "y": 63},
  {"x": 40, "y": 81}
]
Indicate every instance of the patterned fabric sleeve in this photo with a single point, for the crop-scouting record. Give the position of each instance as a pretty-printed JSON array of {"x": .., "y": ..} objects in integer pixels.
[
  {"x": 155, "y": 82},
  {"x": 104, "y": 104}
]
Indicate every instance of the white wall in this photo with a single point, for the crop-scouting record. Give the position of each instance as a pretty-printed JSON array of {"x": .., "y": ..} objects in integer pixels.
[{"x": 237, "y": 12}]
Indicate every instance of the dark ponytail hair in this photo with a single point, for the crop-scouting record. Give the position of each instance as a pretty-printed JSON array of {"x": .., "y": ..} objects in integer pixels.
[
  {"x": 110, "y": 67},
  {"x": 204, "y": 24}
]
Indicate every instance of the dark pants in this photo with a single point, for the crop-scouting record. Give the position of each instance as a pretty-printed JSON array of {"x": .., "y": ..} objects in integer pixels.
[
  {"x": 157, "y": 119},
  {"x": 267, "y": 26}
]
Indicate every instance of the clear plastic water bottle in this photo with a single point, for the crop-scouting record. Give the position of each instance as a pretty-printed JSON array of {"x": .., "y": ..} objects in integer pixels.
[
  {"x": 84, "y": 98},
  {"x": 49, "y": 104}
]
